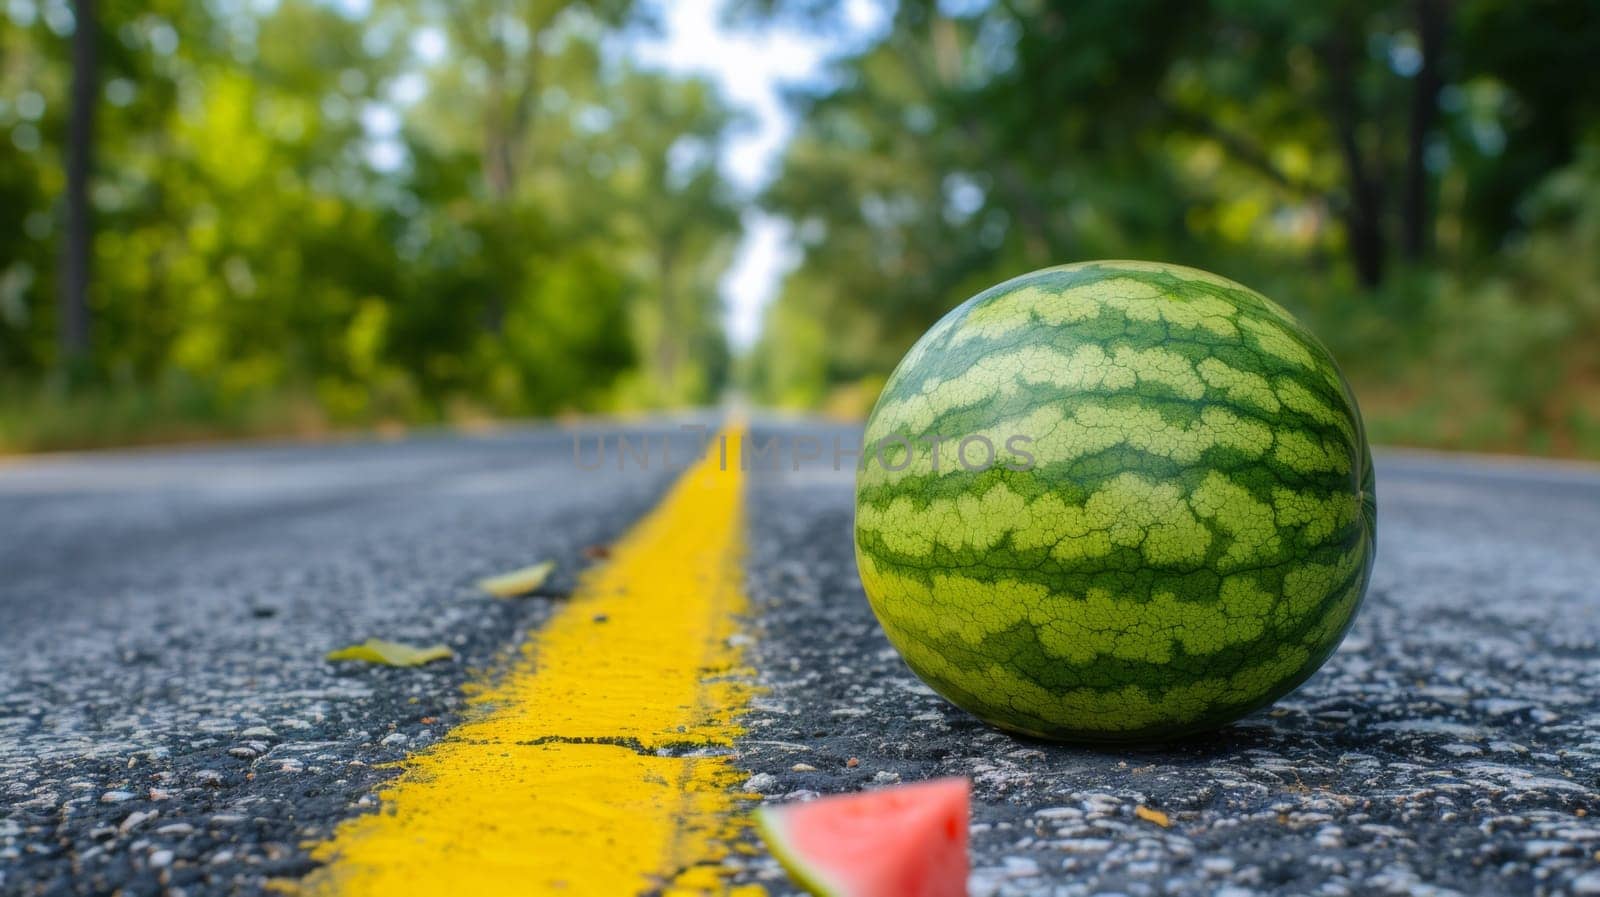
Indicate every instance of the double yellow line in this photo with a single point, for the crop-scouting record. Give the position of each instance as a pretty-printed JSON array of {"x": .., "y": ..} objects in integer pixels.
[{"x": 592, "y": 766}]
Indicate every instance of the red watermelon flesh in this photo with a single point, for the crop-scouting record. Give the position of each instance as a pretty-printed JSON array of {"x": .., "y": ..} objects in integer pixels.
[{"x": 905, "y": 841}]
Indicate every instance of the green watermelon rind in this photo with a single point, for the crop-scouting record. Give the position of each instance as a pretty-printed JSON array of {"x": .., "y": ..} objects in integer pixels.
[
  {"x": 1242, "y": 336},
  {"x": 769, "y": 824}
]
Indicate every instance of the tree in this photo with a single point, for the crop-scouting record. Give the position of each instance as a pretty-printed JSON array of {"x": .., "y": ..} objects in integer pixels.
[
  {"x": 1295, "y": 142},
  {"x": 304, "y": 213},
  {"x": 76, "y": 247}
]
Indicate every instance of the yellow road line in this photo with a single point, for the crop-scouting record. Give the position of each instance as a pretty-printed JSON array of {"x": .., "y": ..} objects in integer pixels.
[{"x": 557, "y": 787}]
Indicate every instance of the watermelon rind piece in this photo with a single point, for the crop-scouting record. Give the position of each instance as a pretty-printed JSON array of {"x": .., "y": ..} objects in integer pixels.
[
  {"x": 769, "y": 824},
  {"x": 833, "y": 846}
]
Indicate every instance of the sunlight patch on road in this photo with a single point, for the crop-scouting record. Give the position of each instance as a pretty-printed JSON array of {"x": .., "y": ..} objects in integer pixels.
[{"x": 595, "y": 765}]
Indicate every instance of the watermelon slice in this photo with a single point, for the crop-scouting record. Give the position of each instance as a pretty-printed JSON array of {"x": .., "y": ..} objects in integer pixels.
[{"x": 905, "y": 841}]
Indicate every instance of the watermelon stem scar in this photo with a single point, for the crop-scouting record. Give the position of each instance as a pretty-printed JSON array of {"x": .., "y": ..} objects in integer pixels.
[{"x": 1190, "y": 539}]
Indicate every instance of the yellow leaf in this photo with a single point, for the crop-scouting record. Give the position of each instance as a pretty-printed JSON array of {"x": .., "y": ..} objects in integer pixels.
[
  {"x": 395, "y": 654},
  {"x": 1149, "y": 815},
  {"x": 518, "y": 582}
]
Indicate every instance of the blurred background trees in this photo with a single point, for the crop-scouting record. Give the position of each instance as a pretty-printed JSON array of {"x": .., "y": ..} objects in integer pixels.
[
  {"x": 304, "y": 218},
  {"x": 303, "y": 214},
  {"x": 1400, "y": 173}
]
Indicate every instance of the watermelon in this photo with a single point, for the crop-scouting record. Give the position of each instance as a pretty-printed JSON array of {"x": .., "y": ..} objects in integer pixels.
[
  {"x": 905, "y": 841},
  {"x": 1115, "y": 501}
]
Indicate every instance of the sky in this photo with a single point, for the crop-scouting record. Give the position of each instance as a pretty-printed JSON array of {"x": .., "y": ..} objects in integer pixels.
[{"x": 750, "y": 66}]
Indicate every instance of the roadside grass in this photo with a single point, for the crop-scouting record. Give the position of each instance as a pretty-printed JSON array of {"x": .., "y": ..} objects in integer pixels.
[
  {"x": 1455, "y": 422},
  {"x": 51, "y": 417},
  {"x": 54, "y": 417}
]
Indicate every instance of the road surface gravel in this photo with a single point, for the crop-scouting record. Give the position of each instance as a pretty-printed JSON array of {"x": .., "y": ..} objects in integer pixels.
[{"x": 167, "y": 722}]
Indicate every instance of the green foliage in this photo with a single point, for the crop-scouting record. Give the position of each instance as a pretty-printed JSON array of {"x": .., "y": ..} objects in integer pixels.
[
  {"x": 481, "y": 208},
  {"x": 295, "y": 208},
  {"x": 1406, "y": 175},
  {"x": 1503, "y": 359}
]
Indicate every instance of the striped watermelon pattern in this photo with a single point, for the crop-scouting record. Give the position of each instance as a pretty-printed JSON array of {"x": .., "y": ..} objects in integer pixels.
[{"x": 1182, "y": 533}]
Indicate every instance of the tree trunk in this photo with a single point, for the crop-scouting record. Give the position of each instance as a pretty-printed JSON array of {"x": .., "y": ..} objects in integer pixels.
[
  {"x": 667, "y": 341},
  {"x": 76, "y": 248},
  {"x": 505, "y": 131},
  {"x": 1415, "y": 220},
  {"x": 1363, "y": 212}
]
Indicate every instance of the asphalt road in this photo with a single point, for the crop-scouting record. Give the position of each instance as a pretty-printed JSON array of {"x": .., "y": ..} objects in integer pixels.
[{"x": 167, "y": 720}]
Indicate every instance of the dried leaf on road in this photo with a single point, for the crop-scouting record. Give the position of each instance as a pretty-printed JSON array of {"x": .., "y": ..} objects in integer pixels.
[
  {"x": 1149, "y": 815},
  {"x": 518, "y": 582},
  {"x": 395, "y": 654}
]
